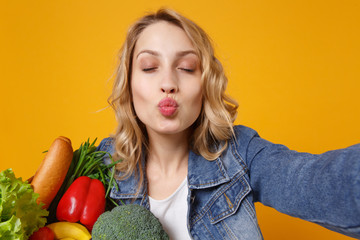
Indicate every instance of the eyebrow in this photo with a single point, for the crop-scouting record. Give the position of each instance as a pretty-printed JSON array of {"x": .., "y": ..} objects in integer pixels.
[{"x": 156, "y": 54}]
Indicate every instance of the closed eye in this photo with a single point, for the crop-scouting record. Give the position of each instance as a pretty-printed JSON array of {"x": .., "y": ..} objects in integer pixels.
[
  {"x": 149, "y": 69},
  {"x": 187, "y": 69}
]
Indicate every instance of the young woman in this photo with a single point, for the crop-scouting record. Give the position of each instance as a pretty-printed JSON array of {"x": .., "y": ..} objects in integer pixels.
[{"x": 183, "y": 159}]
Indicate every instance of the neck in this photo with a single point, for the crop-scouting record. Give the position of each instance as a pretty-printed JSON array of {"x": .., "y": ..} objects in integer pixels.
[{"x": 168, "y": 153}]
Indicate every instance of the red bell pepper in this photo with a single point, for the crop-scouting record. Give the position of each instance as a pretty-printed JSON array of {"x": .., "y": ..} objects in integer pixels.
[{"x": 83, "y": 201}]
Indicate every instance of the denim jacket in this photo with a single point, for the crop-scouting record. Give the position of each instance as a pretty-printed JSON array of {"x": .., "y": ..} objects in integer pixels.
[{"x": 321, "y": 188}]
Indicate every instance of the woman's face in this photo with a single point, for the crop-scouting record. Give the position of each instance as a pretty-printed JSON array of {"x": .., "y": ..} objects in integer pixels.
[{"x": 166, "y": 79}]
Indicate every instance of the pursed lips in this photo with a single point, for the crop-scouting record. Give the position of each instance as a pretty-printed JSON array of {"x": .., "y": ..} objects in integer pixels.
[{"x": 167, "y": 106}]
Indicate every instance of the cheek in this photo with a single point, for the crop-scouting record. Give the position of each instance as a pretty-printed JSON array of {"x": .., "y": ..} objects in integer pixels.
[
  {"x": 198, "y": 99},
  {"x": 138, "y": 96},
  {"x": 195, "y": 99},
  {"x": 195, "y": 93},
  {"x": 143, "y": 100},
  {"x": 138, "y": 87}
]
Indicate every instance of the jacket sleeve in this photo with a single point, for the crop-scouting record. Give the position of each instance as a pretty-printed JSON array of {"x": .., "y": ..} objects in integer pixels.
[{"x": 321, "y": 188}]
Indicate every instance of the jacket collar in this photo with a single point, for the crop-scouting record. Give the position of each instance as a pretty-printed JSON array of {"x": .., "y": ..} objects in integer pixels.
[
  {"x": 204, "y": 174},
  {"x": 201, "y": 174}
]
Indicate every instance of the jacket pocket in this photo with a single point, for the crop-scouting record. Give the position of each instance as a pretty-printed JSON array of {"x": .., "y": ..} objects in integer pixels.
[{"x": 228, "y": 198}]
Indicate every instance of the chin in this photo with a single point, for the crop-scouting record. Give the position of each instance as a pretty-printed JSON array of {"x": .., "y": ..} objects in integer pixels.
[{"x": 170, "y": 130}]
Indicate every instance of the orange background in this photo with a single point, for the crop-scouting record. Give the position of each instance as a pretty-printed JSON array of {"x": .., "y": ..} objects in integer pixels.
[{"x": 294, "y": 67}]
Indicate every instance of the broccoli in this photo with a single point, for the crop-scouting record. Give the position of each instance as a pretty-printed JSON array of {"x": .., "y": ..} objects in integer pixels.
[{"x": 130, "y": 222}]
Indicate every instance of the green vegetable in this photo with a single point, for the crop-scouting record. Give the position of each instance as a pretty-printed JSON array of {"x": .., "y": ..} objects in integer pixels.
[
  {"x": 130, "y": 222},
  {"x": 86, "y": 162},
  {"x": 20, "y": 215}
]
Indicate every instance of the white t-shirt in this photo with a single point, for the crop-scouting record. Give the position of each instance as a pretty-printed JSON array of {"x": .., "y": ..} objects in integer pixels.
[{"x": 172, "y": 212}]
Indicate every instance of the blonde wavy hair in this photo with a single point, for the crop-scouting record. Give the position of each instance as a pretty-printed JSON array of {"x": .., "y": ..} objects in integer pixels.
[{"x": 214, "y": 126}]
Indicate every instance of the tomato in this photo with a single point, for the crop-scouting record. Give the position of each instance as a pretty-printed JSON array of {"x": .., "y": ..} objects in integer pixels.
[{"x": 43, "y": 233}]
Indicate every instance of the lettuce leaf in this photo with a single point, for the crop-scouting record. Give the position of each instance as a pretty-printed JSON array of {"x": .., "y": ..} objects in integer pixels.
[
  {"x": 11, "y": 229},
  {"x": 20, "y": 215}
]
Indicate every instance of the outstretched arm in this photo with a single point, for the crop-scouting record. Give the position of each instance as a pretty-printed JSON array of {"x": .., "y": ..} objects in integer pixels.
[{"x": 321, "y": 188}]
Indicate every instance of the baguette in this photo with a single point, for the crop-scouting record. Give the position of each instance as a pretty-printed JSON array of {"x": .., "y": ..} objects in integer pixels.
[{"x": 52, "y": 171}]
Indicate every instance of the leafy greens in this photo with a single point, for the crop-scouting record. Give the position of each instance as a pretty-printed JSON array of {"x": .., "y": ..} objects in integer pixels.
[{"x": 20, "y": 215}]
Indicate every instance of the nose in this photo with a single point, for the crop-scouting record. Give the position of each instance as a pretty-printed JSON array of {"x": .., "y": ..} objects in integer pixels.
[{"x": 169, "y": 83}]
